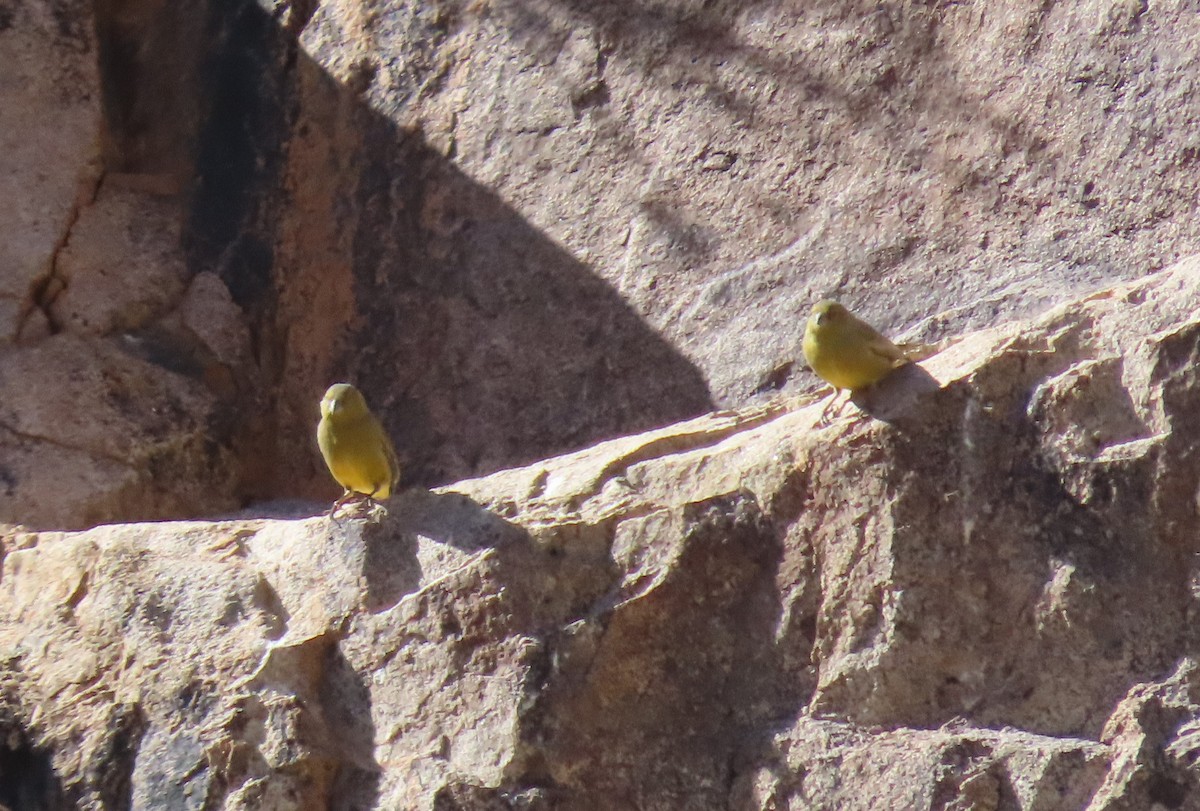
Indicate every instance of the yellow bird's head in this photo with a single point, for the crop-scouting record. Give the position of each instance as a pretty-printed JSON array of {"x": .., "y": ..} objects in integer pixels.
[
  {"x": 343, "y": 401},
  {"x": 825, "y": 314}
]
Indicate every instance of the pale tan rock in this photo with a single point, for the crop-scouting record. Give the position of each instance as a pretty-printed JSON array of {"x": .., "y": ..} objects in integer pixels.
[
  {"x": 984, "y": 602},
  {"x": 91, "y": 433},
  {"x": 49, "y": 148},
  {"x": 122, "y": 265},
  {"x": 208, "y": 311},
  {"x": 523, "y": 229},
  {"x": 980, "y": 770},
  {"x": 705, "y": 172}
]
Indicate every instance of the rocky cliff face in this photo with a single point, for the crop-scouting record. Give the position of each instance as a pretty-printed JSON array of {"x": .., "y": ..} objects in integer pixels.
[
  {"x": 527, "y": 226},
  {"x": 981, "y": 598},
  {"x": 523, "y": 226}
]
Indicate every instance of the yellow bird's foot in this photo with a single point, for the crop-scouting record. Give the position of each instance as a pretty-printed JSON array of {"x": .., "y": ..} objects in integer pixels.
[
  {"x": 348, "y": 497},
  {"x": 824, "y": 419},
  {"x": 376, "y": 510},
  {"x": 358, "y": 505}
]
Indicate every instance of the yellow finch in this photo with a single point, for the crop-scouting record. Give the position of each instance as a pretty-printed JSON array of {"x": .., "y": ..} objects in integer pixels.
[
  {"x": 845, "y": 352},
  {"x": 356, "y": 448}
]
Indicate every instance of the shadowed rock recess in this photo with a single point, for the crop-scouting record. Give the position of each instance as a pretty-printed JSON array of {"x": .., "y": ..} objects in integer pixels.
[
  {"x": 525, "y": 226},
  {"x": 985, "y": 600}
]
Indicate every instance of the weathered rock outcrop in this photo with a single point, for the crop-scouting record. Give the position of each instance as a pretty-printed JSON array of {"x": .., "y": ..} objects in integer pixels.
[
  {"x": 983, "y": 599},
  {"x": 522, "y": 226},
  {"x": 118, "y": 362}
]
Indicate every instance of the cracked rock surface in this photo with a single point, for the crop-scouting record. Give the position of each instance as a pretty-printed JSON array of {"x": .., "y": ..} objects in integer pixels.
[
  {"x": 982, "y": 599},
  {"x": 525, "y": 226}
]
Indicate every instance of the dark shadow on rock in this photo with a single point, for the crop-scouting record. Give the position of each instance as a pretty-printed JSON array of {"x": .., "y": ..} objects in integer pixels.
[
  {"x": 331, "y": 711},
  {"x": 346, "y": 702},
  {"x": 390, "y": 566},
  {"x": 653, "y": 704},
  {"x": 487, "y": 344},
  {"x": 114, "y": 761},
  {"x": 452, "y": 519},
  {"x": 468, "y": 797},
  {"x": 28, "y": 781},
  {"x": 971, "y": 775},
  {"x": 479, "y": 341},
  {"x": 896, "y": 398},
  {"x": 282, "y": 509},
  {"x": 979, "y": 494}
]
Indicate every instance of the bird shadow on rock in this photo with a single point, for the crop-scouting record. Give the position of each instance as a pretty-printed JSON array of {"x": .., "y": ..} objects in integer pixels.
[
  {"x": 376, "y": 544},
  {"x": 452, "y": 519},
  {"x": 366, "y": 539},
  {"x": 897, "y": 395},
  {"x": 554, "y": 579},
  {"x": 390, "y": 566}
]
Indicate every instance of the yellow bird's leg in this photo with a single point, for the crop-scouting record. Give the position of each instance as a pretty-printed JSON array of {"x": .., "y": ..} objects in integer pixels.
[
  {"x": 823, "y": 419},
  {"x": 845, "y": 402}
]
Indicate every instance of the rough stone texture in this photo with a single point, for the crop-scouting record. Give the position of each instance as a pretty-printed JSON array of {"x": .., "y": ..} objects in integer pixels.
[
  {"x": 109, "y": 430},
  {"x": 120, "y": 368},
  {"x": 523, "y": 226},
  {"x": 717, "y": 166},
  {"x": 49, "y": 154},
  {"x": 121, "y": 266},
  {"x": 983, "y": 598},
  {"x": 526, "y": 225}
]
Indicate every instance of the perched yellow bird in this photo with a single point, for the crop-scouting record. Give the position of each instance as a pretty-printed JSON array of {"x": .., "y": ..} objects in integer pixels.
[
  {"x": 845, "y": 352},
  {"x": 357, "y": 450}
]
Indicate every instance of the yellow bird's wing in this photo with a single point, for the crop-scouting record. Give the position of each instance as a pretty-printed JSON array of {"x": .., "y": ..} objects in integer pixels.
[
  {"x": 887, "y": 350},
  {"x": 877, "y": 344}
]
